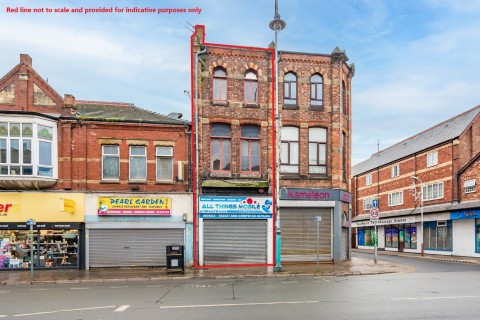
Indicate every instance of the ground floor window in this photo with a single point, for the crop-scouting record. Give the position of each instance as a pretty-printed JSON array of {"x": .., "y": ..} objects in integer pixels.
[
  {"x": 404, "y": 235},
  {"x": 51, "y": 248},
  {"x": 438, "y": 235},
  {"x": 366, "y": 236},
  {"x": 410, "y": 236},
  {"x": 477, "y": 235}
]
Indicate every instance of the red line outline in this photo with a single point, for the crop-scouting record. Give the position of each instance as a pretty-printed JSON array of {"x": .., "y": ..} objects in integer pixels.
[{"x": 194, "y": 159}]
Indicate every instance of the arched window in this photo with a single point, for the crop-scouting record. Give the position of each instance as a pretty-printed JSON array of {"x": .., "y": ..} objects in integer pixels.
[
  {"x": 219, "y": 85},
  {"x": 317, "y": 150},
  {"x": 290, "y": 89},
  {"x": 316, "y": 90},
  {"x": 220, "y": 147},
  {"x": 250, "y": 148},
  {"x": 251, "y": 87},
  {"x": 289, "y": 153}
]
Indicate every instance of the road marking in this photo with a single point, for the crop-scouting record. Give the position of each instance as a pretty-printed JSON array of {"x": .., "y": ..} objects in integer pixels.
[
  {"x": 323, "y": 280},
  {"x": 156, "y": 286},
  {"x": 58, "y": 311},
  {"x": 119, "y": 287},
  {"x": 82, "y": 288},
  {"x": 39, "y": 289},
  {"x": 236, "y": 304},
  {"x": 438, "y": 298},
  {"x": 122, "y": 308},
  {"x": 3, "y": 316},
  {"x": 288, "y": 282},
  {"x": 4, "y": 291}
]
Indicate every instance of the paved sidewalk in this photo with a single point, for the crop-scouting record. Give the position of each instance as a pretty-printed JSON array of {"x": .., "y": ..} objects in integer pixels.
[{"x": 358, "y": 265}]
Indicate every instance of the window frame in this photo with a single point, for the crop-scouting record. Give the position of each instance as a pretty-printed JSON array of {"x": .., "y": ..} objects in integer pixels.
[
  {"x": 432, "y": 159},
  {"x": 290, "y": 100},
  {"x": 221, "y": 140},
  {"x": 395, "y": 198},
  {"x": 396, "y": 170},
  {"x": 288, "y": 143},
  {"x": 110, "y": 155},
  {"x": 165, "y": 158},
  {"x": 319, "y": 145},
  {"x": 250, "y": 85},
  {"x": 428, "y": 191},
  {"x": 135, "y": 156},
  {"x": 316, "y": 98},
  {"x": 368, "y": 203},
  {"x": 368, "y": 179},
  {"x": 220, "y": 85},
  {"x": 469, "y": 186},
  {"x": 250, "y": 142}
]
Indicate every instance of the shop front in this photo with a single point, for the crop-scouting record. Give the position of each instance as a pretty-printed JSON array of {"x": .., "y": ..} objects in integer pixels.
[
  {"x": 235, "y": 230},
  {"x": 133, "y": 231},
  {"x": 55, "y": 237}
]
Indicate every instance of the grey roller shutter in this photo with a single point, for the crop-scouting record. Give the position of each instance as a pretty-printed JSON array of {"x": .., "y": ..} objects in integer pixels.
[
  {"x": 131, "y": 247},
  {"x": 235, "y": 241},
  {"x": 299, "y": 234}
]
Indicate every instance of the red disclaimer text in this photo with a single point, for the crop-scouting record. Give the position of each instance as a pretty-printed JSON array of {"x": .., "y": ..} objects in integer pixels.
[{"x": 118, "y": 10}]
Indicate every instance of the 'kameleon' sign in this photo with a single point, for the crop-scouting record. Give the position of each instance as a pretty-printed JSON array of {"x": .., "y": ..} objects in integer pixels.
[{"x": 382, "y": 222}]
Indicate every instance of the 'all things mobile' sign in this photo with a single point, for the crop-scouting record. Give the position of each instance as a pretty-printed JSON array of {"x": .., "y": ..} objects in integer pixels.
[{"x": 214, "y": 207}]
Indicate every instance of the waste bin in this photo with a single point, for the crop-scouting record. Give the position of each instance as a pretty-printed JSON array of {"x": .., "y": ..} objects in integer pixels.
[{"x": 175, "y": 258}]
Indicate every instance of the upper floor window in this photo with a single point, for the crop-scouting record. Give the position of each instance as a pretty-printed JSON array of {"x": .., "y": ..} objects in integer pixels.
[
  {"x": 138, "y": 163},
  {"x": 290, "y": 89},
  {"x": 164, "y": 159},
  {"x": 289, "y": 153},
  {"x": 316, "y": 90},
  {"x": 368, "y": 203},
  {"x": 220, "y": 156},
  {"x": 433, "y": 191},
  {"x": 343, "y": 103},
  {"x": 110, "y": 162},
  {"x": 395, "y": 170},
  {"x": 219, "y": 85},
  {"x": 250, "y": 149},
  {"x": 368, "y": 179},
  {"x": 395, "y": 198},
  {"x": 251, "y": 87},
  {"x": 317, "y": 150},
  {"x": 28, "y": 148},
  {"x": 432, "y": 159},
  {"x": 469, "y": 186}
]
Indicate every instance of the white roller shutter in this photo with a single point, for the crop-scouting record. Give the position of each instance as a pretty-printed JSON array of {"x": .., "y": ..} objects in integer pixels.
[
  {"x": 299, "y": 234},
  {"x": 131, "y": 247},
  {"x": 235, "y": 241}
]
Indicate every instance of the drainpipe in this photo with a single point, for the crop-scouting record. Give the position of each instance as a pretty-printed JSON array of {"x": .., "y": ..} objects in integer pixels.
[{"x": 197, "y": 185}]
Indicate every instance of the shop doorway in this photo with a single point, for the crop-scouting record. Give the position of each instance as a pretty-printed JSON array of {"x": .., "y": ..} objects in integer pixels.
[{"x": 401, "y": 240}]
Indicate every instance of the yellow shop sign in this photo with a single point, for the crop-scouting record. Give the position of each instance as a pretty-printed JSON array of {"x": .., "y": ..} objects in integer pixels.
[{"x": 134, "y": 206}]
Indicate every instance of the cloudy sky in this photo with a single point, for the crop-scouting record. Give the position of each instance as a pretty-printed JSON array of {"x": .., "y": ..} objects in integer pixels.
[{"x": 416, "y": 60}]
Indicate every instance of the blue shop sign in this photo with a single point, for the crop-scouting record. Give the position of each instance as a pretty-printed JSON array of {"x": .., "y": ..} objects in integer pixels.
[{"x": 465, "y": 214}]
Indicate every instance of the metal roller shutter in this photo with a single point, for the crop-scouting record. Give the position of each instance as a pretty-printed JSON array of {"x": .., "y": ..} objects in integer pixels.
[
  {"x": 299, "y": 234},
  {"x": 235, "y": 241},
  {"x": 131, "y": 247}
]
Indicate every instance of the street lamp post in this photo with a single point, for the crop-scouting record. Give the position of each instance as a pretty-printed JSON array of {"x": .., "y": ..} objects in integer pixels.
[
  {"x": 277, "y": 25},
  {"x": 421, "y": 210}
]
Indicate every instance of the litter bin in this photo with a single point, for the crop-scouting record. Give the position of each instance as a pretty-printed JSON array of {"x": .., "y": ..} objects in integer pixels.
[{"x": 175, "y": 258}]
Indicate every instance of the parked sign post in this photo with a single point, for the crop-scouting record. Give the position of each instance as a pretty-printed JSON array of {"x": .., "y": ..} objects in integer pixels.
[{"x": 374, "y": 219}]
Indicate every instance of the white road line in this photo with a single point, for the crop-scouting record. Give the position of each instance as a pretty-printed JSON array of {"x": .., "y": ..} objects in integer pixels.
[
  {"x": 38, "y": 289},
  {"x": 156, "y": 286},
  {"x": 4, "y": 291},
  {"x": 83, "y": 288},
  {"x": 288, "y": 282},
  {"x": 58, "y": 311},
  {"x": 3, "y": 316},
  {"x": 119, "y": 287},
  {"x": 236, "y": 304},
  {"x": 439, "y": 298},
  {"x": 122, "y": 308}
]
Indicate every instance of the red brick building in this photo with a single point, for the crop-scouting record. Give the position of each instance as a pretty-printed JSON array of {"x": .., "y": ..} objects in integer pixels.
[
  {"x": 91, "y": 154},
  {"x": 425, "y": 187},
  {"x": 234, "y": 118}
]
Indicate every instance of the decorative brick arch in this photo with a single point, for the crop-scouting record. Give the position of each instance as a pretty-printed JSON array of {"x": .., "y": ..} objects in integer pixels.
[
  {"x": 252, "y": 66},
  {"x": 217, "y": 64}
]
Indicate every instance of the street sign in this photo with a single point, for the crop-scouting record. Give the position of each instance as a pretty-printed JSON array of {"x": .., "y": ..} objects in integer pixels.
[
  {"x": 318, "y": 218},
  {"x": 374, "y": 214},
  {"x": 375, "y": 203},
  {"x": 31, "y": 222}
]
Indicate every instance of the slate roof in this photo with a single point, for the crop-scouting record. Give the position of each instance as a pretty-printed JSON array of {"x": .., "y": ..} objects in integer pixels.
[
  {"x": 122, "y": 112},
  {"x": 440, "y": 133}
]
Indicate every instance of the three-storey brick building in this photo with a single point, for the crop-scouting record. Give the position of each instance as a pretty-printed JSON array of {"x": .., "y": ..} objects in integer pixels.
[
  {"x": 236, "y": 199},
  {"x": 426, "y": 191}
]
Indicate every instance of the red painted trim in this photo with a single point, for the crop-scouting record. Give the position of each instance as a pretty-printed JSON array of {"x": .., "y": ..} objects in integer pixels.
[{"x": 195, "y": 195}]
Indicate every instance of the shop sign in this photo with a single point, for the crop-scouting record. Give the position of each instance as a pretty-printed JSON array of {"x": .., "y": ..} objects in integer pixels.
[
  {"x": 6, "y": 208},
  {"x": 236, "y": 207},
  {"x": 40, "y": 225},
  {"x": 315, "y": 194},
  {"x": 465, "y": 214},
  {"x": 68, "y": 206},
  {"x": 134, "y": 206},
  {"x": 381, "y": 222}
]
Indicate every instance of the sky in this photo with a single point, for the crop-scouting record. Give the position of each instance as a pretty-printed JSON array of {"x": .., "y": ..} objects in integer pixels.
[{"x": 416, "y": 61}]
